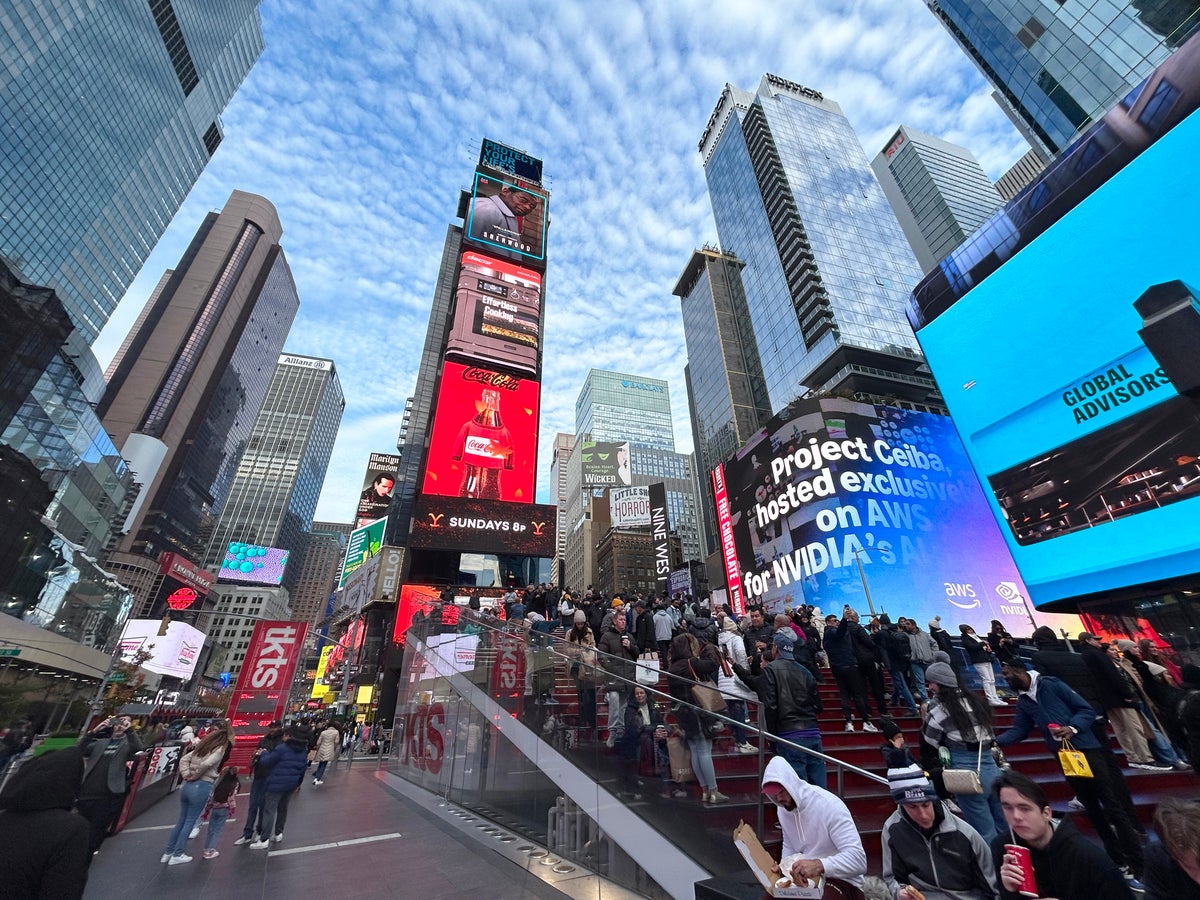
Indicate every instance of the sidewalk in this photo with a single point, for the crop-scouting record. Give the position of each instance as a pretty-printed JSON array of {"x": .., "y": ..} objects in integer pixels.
[{"x": 352, "y": 836}]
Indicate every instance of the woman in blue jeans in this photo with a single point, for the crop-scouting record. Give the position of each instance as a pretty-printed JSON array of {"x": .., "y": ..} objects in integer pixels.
[
  {"x": 959, "y": 721},
  {"x": 199, "y": 769},
  {"x": 688, "y": 667}
]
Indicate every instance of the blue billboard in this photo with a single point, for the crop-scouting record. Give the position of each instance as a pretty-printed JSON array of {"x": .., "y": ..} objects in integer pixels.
[
  {"x": 1073, "y": 370},
  {"x": 831, "y": 485}
]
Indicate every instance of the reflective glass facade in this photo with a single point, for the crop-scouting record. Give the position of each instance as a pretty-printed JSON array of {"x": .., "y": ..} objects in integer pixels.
[
  {"x": 827, "y": 268},
  {"x": 108, "y": 114},
  {"x": 616, "y": 407},
  {"x": 280, "y": 475},
  {"x": 1057, "y": 66}
]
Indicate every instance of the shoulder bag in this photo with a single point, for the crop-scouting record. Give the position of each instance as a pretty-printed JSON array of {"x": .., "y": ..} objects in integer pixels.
[
  {"x": 965, "y": 781},
  {"x": 705, "y": 696}
]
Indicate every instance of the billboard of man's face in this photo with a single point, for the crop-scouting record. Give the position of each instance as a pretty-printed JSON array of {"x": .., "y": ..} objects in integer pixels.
[{"x": 508, "y": 220}]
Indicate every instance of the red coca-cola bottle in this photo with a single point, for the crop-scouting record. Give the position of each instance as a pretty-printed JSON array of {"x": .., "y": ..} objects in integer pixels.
[{"x": 485, "y": 446}]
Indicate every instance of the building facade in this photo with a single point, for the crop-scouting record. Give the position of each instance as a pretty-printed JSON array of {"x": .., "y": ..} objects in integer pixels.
[
  {"x": 238, "y": 606},
  {"x": 317, "y": 576},
  {"x": 938, "y": 191},
  {"x": 281, "y": 473},
  {"x": 564, "y": 446},
  {"x": 616, "y": 407},
  {"x": 1022, "y": 172},
  {"x": 827, "y": 268},
  {"x": 109, "y": 112},
  {"x": 1056, "y": 67}
]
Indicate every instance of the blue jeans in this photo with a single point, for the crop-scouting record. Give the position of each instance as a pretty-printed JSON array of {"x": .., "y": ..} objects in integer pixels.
[
  {"x": 809, "y": 768},
  {"x": 216, "y": 823},
  {"x": 736, "y": 709},
  {"x": 1159, "y": 745},
  {"x": 320, "y": 773},
  {"x": 900, "y": 691},
  {"x": 918, "y": 673},
  {"x": 258, "y": 794},
  {"x": 702, "y": 764},
  {"x": 982, "y": 811},
  {"x": 192, "y": 797}
]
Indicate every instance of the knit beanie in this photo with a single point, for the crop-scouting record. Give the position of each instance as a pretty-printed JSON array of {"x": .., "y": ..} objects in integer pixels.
[
  {"x": 941, "y": 656},
  {"x": 889, "y": 727},
  {"x": 941, "y": 674},
  {"x": 580, "y": 617},
  {"x": 910, "y": 785}
]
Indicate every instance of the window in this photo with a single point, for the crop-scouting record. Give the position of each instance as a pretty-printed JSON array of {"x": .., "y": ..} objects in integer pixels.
[{"x": 1159, "y": 105}]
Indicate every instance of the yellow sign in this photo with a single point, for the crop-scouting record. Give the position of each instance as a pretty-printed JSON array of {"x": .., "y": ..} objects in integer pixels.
[
  {"x": 319, "y": 690},
  {"x": 365, "y": 692}
]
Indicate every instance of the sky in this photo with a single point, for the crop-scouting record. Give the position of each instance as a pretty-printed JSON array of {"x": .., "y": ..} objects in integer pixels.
[{"x": 361, "y": 123}]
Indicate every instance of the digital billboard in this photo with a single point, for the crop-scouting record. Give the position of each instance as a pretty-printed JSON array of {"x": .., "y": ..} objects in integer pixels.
[
  {"x": 508, "y": 219},
  {"x": 497, "y": 314},
  {"x": 174, "y": 653},
  {"x": 605, "y": 463},
  {"x": 833, "y": 483},
  {"x": 252, "y": 563},
  {"x": 629, "y": 507},
  {"x": 364, "y": 542},
  {"x": 484, "y": 437},
  {"x": 377, "y": 490},
  {"x": 511, "y": 160},
  {"x": 483, "y": 526}
]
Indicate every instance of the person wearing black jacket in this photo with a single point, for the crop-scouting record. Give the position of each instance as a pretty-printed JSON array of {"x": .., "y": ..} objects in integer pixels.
[
  {"x": 688, "y": 666},
  {"x": 1117, "y": 692},
  {"x": 843, "y": 661},
  {"x": 619, "y": 655},
  {"x": 898, "y": 656},
  {"x": 791, "y": 703},
  {"x": 107, "y": 750},
  {"x": 759, "y": 635},
  {"x": 258, "y": 784},
  {"x": 869, "y": 659}
]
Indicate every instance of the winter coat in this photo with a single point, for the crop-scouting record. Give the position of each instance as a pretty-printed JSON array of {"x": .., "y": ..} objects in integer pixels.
[
  {"x": 327, "y": 745},
  {"x": 789, "y": 697},
  {"x": 193, "y": 767},
  {"x": 285, "y": 765},
  {"x": 664, "y": 626},
  {"x": 1056, "y": 703},
  {"x": 839, "y": 646},
  {"x": 977, "y": 649},
  {"x": 45, "y": 844},
  {"x": 923, "y": 646},
  {"x": 684, "y": 672},
  {"x": 620, "y": 661},
  {"x": 734, "y": 650},
  {"x": 951, "y": 863},
  {"x": 93, "y": 750},
  {"x": 269, "y": 741},
  {"x": 704, "y": 628}
]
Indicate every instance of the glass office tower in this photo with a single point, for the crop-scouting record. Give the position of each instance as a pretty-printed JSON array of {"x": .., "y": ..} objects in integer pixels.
[
  {"x": 280, "y": 476},
  {"x": 827, "y": 268},
  {"x": 1057, "y": 66},
  {"x": 108, "y": 115}
]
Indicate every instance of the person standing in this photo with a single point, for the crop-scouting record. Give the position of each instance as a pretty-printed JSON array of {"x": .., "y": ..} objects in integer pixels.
[
  {"x": 619, "y": 660},
  {"x": 923, "y": 647},
  {"x": 979, "y": 654},
  {"x": 899, "y": 658},
  {"x": 107, "y": 750},
  {"x": 222, "y": 804},
  {"x": 285, "y": 767},
  {"x": 258, "y": 783},
  {"x": 839, "y": 647},
  {"x": 199, "y": 769},
  {"x": 664, "y": 629},
  {"x": 328, "y": 742},
  {"x": 737, "y": 693},
  {"x": 581, "y": 646},
  {"x": 689, "y": 667},
  {"x": 791, "y": 704}
]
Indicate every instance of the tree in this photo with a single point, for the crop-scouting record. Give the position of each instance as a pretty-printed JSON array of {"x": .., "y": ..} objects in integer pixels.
[{"x": 125, "y": 683}]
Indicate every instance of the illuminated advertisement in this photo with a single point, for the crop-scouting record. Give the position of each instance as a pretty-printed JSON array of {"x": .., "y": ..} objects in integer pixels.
[
  {"x": 629, "y": 507},
  {"x": 320, "y": 688},
  {"x": 252, "y": 563},
  {"x": 497, "y": 314},
  {"x": 364, "y": 542},
  {"x": 264, "y": 682},
  {"x": 484, "y": 440},
  {"x": 605, "y": 464},
  {"x": 831, "y": 484},
  {"x": 728, "y": 547},
  {"x": 174, "y": 653},
  {"x": 508, "y": 159},
  {"x": 185, "y": 572},
  {"x": 483, "y": 526},
  {"x": 1073, "y": 371},
  {"x": 378, "y": 485},
  {"x": 508, "y": 218},
  {"x": 660, "y": 529}
]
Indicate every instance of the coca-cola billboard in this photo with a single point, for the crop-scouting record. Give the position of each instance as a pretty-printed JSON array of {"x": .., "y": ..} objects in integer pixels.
[{"x": 484, "y": 441}]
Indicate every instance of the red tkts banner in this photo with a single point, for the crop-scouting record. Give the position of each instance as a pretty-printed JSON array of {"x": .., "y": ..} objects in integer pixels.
[{"x": 264, "y": 683}]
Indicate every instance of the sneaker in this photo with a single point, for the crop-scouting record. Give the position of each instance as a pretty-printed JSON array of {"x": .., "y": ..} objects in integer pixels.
[
  {"x": 260, "y": 845},
  {"x": 1074, "y": 805},
  {"x": 849, "y": 726},
  {"x": 1150, "y": 767},
  {"x": 867, "y": 726},
  {"x": 317, "y": 781},
  {"x": 716, "y": 797},
  {"x": 1180, "y": 766},
  {"x": 179, "y": 859},
  {"x": 211, "y": 854},
  {"x": 243, "y": 840},
  {"x": 195, "y": 831},
  {"x": 278, "y": 837},
  {"x": 166, "y": 857},
  {"x": 746, "y": 747},
  {"x": 679, "y": 793}
]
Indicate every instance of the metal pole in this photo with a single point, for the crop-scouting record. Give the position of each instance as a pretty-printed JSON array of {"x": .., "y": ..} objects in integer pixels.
[{"x": 863, "y": 576}]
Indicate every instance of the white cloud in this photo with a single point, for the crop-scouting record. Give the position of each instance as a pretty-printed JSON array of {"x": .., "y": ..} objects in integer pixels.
[{"x": 363, "y": 127}]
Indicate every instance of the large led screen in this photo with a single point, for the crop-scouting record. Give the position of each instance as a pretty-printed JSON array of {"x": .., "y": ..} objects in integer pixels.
[
  {"x": 605, "y": 463},
  {"x": 252, "y": 563},
  {"x": 1073, "y": 371},
  {"x": 508, "y": 218},
  {"x": 497, "y": 314},
  {"x": 378, "y": 485},
  {"x": 832, "y": 483},
  {"x": 174, "y": 653},
  {"x": 483, "y": 526},
  {"x": 484, "y": 441},
  {"x": 363, "y": 543}
]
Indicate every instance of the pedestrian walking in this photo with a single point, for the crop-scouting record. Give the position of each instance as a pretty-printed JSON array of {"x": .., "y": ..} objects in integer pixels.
[
  {"x": 328, "y": 742},
  {"x": 285, "y": 765},
  {"x": 222, "y": 804}
]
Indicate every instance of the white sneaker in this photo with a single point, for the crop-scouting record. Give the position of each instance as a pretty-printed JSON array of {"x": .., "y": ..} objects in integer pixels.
[
  {"x": 867, "y": 726},
  {"x": 318, "y": 781},
  {"x": 165, "y": 858},
  {"x": 179, "y": 859},
  {"x": 260, "y": 845},
  {"x": 195, "y": 831},
  {"x": 278, "y": 837},
  {"x": 849, "y": 726},
  {"x": 243, "y": 840},
  {"x": 746, "y": 747}
]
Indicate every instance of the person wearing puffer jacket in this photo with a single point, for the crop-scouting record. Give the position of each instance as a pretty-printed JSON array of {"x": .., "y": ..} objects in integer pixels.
[
  {"x": 285, "y": 767},
  {"x": 327, "y": 747},
  {"x": 199, "y": 769},
  {"x": 737, "y": 694}
]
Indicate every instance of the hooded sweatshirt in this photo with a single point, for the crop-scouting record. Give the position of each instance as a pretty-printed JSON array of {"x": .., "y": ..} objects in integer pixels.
[
  {"x": 820, "y": 827},
  {"x": 45, "y": 845}
]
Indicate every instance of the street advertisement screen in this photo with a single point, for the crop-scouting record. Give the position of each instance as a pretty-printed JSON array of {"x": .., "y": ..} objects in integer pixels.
[
  {"x": 483, "y": 526},
  {"x": 377, "y": 489},
  {"x": 497, "y": 314},
  {"x": 174, "y": 653},
  {"x": 605, "y": 463},
  {"x": 264, "y": 682},
  {"x": 185, "y": 572},
  {"x": 508, "y": 219},
  {"x": 509, "y": 159},
  {"x": 364, "y": 542},
  {"x": 629, "y": 507},
  {"x": 252, "y": 563},
  {"x": 831, "y": 484},
  {"x": 484, "y": 440},
  {"x": 1073, "y": 374}
]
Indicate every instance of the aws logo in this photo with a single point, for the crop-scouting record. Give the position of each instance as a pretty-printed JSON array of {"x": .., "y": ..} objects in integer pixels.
[
  {"x": 435, "y": 519},
  {"x": 955, "y": 590}
]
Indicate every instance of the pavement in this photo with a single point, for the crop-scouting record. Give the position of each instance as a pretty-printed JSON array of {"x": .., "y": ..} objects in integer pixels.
[{"x": 363, "y": 833}]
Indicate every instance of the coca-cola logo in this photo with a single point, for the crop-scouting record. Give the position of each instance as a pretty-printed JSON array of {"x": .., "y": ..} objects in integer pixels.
[{"x": 492, "y": 379}]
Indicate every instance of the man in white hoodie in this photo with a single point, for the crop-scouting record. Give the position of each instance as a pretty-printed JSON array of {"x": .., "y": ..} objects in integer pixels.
[{"x": 819, "y": 836}]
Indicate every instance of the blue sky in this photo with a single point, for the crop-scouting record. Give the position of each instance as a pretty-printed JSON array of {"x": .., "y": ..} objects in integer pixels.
[{"x": 362, "y": 121}]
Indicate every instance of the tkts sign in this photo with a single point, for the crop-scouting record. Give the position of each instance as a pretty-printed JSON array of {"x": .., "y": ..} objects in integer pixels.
[{"x": 264, "y": 683}]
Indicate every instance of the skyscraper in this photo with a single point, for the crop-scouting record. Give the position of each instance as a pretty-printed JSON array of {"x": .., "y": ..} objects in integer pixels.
[
  {"x": 108, "y": 115},
  {"x": 186, "y": 387},
  {"x": 280, "y": 475},
  {"x": 1056, "y": 67},
  {"x": 937, "y": 189},
  {"x": 318, "y": 573},
  {"x": 727, "y": 396},
  {"x": 827, "y": 268}
]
